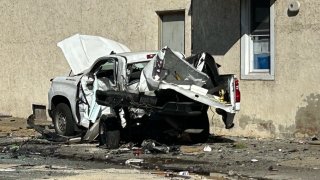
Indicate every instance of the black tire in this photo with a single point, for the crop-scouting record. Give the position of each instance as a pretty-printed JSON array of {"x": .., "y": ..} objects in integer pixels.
[
  {"x": 63, "y": 121},
  {"x": 201, "y": 123},
  {"x": 109, "y": 132}
]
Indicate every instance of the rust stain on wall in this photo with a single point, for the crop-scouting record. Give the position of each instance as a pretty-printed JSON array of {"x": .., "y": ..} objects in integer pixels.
[{"x": 308, "y": 118}]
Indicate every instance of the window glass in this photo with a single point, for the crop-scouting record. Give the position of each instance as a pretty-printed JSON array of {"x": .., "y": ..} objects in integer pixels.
[
  {"x": 260, "y": 35},
  {"x": 260, "y": 17},
  {"x": 106, "y": 70},
  {"x": 134, "y": 70},
  {"x": 257, "y": 42},
  {"x": 108, "y": 65}
]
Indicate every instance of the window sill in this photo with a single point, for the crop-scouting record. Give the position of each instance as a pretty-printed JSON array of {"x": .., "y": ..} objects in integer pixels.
[{"x": 266, "y": 77}]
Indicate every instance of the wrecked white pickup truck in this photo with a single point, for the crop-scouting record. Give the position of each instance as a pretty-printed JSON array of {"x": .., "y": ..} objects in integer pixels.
[{"x": 123, "y": 88}]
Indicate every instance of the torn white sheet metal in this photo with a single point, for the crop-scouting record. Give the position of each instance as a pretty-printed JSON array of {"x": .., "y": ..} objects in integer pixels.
[
  {"x": 200, "y": 64},
  {"x": 178, "y": 71},
  {"x": 92, "y": 132},
  {"x": 168, "y": 71},
  {"x": 94, "y": 108},
  {"x": 205, "y": 99},
  {"x": 86, "y": 95},
  {"x": 168, "y": 67},
  {"x": 81, "y": 51},
  {"x": 89, "y": 109}
]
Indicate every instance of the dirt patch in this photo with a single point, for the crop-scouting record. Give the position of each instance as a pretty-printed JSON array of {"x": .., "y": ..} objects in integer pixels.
[{"x": 11, "y": 126}]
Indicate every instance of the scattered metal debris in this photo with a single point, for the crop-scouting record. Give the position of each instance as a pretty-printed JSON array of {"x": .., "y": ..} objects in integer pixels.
[
  {"x": 119, "y": 151},
  {"x": 138, "y": 151},
  {"x": 137, "y": 163},
  {"x": 49, "y": 135},
  {"x": 182, "y": 174},
  {"x": 154, "y": 147}
]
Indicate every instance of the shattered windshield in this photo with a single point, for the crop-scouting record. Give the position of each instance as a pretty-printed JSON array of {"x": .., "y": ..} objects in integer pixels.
[
  {"x": 134, "y": 70},
  {"x": 139, "y": 66}
]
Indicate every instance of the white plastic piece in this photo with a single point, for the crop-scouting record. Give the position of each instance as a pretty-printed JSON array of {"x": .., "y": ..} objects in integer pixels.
[
  {"x": 199, "y": 90},
  {"x": 184, "y": 173},
  {"x": 207, "y": 149},
  {"x": 129, "y": 161}
]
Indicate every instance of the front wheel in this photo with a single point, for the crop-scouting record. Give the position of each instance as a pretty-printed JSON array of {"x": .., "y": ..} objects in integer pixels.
[
  {"x": 63, "y": 121},
  {"x": 109, "y": 132}
]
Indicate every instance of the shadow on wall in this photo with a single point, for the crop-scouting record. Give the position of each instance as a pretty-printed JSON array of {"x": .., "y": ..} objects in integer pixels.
[
  {"x": 215, "y": 25},
  {"x": 308, "y": 118}
]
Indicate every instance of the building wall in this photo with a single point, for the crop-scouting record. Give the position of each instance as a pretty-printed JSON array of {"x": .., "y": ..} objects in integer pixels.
[
  {"x": 289, "y": 105},
  {"x": 30, "y": 30}
]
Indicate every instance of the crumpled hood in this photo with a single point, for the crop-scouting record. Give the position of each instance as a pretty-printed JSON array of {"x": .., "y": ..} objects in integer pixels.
[{"x": 81, "y": 51}]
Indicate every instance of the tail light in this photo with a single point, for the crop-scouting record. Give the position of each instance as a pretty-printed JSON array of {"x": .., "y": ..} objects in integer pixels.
[{"x": 236, "y": 85}]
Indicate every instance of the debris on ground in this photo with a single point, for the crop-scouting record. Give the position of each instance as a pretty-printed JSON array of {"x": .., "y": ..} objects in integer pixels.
[
  {"x": 271, "y": 168},
  {"x": 154, "y": 147},
  {"x": 182, "y": 174},
  {"x": 128, "y": 145},
  {"x": 119, "y": 151},
  {"x": 137, "y": 163},
  {"x": 137, "y": 151},
  {"x": 49, "y": 135},
  {"x": 314, "y": 138},
  {"x": 293, "y": 150},
  {"x": 231, "y": 173},
  {"x": 191, "y": 150},
  {"x": 263, "y": 161},
  {"x": 314, "y": 141},
  {"x": 207, "y": 149}
]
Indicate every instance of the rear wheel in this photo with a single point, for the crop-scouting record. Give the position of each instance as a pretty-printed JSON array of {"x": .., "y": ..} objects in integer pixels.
[{"x": 63, "y": 121}]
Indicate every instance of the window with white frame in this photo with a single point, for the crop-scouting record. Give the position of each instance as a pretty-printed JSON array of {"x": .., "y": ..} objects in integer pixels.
[{"x": 257, "y": 41}]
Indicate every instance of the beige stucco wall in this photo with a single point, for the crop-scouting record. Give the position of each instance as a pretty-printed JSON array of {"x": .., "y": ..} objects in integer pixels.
[
  {"x": 30, "y": 30},
  {"x": 289, "y": 105}
]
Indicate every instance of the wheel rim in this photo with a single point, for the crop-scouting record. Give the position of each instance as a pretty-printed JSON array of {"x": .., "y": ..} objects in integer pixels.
[{"x": 61, "y": 122}]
